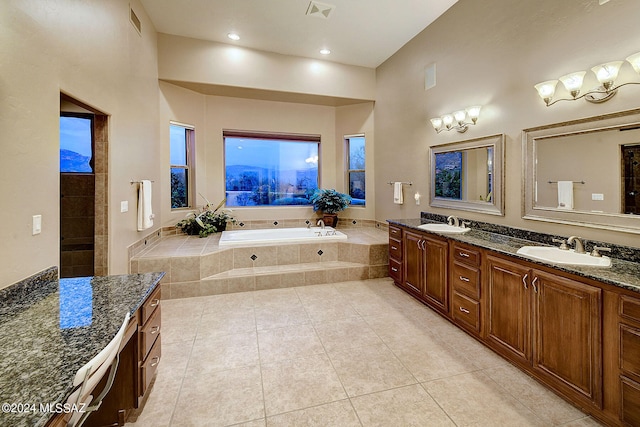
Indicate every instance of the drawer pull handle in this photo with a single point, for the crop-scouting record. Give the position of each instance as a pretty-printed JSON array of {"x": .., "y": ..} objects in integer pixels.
[
  {"x": 394, "y": 248},
  {"x": 157, "y": 360},
  {"x": 155, "y": 330},
  {"x": 463, "y": 254},
  {"x": 395, "y": 270},
  {"x": 464, "y": 279},
  {"x": 464, "y": 310},
  {"x": 154, "y": 303}
]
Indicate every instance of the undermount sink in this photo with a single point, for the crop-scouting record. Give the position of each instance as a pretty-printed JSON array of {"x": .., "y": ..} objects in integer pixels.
[
  {"x": 444, "y": 228},
  {"x": 559, "y": 256}
]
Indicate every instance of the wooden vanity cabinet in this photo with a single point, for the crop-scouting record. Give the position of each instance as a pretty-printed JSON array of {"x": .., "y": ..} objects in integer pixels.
[
  {"x": 395, "y": 254},
  {"x": 465, "y": 285},
  {"x": 549, "y": 324},
  {"x": 425, "y": 268},
  {"x": 629, "y": 361}
]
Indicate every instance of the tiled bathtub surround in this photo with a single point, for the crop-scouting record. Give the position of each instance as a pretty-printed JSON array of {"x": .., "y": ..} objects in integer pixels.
[{"x": 197, "y": 266}]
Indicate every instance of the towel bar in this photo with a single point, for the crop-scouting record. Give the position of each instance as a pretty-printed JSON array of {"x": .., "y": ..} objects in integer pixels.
[
  {"x": 407, "y": 183},
  {"x": 575, "y": 182}
]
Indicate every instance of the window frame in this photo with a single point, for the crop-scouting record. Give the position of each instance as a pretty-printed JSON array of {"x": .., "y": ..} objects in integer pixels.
[
  {"x": 190, "y": 140},
  {"x": 349, "y": 171},
  {"x": 275, "y": 136}
]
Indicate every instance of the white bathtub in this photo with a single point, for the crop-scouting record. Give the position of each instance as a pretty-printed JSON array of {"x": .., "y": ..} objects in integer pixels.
[{"x": 279, "y": 235}]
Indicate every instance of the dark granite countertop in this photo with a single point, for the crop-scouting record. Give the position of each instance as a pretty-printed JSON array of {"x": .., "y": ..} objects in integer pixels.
[
  {"x": 48, "y": 331},
  {"x": 621, "y": 273}
]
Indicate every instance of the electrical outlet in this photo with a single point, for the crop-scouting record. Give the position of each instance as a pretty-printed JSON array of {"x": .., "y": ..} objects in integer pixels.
[
  {"x": 124, "y": 206},
  {"x": 597, "y": 196}
]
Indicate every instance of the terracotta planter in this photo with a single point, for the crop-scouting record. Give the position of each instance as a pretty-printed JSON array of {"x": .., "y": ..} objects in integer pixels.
[{"x": 330, "y": 220}]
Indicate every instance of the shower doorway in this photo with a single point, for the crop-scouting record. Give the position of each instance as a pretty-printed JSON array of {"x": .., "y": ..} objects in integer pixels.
[
  {"x": 83, "y": 189},
  {"x": 631, "y": 179}
]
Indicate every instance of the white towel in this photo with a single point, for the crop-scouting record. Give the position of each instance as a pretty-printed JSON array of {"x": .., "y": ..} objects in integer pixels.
[
  {"x": 397, "y": 193},
  {"x": 565, "y": 195},
  {"x": 145, "y": 213}
]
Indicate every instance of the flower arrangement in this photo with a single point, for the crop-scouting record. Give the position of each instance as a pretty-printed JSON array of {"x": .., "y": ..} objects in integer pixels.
[{"x": 207, "y": 221}]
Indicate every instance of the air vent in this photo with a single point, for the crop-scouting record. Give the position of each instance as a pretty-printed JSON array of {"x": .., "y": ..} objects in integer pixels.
[
  {"x": 135, "y": 21},
  {"x": 320, "y": 10}
]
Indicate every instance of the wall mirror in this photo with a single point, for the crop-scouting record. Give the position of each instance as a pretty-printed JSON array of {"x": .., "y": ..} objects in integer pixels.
[
  {"x": 584, "y": 172},
  {"x": 468, "y": 175}
]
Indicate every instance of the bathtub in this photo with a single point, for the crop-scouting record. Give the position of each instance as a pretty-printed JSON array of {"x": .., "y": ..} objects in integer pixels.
[{"x": 280, "y": 235}]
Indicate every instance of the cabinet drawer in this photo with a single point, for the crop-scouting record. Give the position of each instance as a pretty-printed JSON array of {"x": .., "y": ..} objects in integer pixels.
[
  {"x": 395, "y": 270},
  {"x": 466, "y": 311},
  {"x": 395, "y": 232},
  {"x": 395, "y": 249},
  {"x": 630, "y": 308},
  {"x": 630, "y": 350},
  {"x": 149, "y": 367},
  {"x": 466, "y": 255},
  {"x": 466, "y": 279},
  {"x": 150, "y": 305},
  {"x": 630, "y": 408},
  {"x": 149, "y": 333}
]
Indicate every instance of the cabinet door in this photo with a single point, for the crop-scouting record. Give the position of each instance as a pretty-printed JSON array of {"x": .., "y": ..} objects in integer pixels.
[
  {"x": 413, "y": 259},
  {"x": 567, "y": 331},
  {"x": 436, "y": 291},
  {"x": 508, "y": 313}
]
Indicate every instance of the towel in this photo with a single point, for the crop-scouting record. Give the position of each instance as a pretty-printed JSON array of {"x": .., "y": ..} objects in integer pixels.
[
  {"x": 145, "y": 214},
  {"x": 565, "y": 195},
  {"x": 397, "y": 193}
]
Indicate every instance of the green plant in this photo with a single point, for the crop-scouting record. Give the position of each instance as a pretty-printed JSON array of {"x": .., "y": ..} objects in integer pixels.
[
  {"x": 329, "y": 201},
  {"x": 207, "y": 221}
]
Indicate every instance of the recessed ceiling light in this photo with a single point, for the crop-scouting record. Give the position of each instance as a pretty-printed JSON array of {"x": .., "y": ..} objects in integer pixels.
[
  {"x": 325, "y": 51},
  {"x": 233, "y": 36}
]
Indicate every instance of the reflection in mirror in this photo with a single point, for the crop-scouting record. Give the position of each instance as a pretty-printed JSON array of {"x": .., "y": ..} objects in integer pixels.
[
  {"x": 467, "y": 175},
  {"x": 585, "y": 171}
]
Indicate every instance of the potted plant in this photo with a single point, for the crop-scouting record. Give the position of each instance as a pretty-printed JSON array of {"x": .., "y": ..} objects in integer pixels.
[
  {"x": 207, "y": 221},
  {"x": 329, "y": 202}
]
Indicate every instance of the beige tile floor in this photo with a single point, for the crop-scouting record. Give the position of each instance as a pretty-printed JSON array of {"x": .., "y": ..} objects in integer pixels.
[{"x": 348, "y": 354}]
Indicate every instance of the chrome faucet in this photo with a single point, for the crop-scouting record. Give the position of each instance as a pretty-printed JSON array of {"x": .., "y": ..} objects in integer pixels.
[
  {"x": 320, "y": 223},
  {"x": 579, "y": 244},
  {"x": 453, "y": 220}
]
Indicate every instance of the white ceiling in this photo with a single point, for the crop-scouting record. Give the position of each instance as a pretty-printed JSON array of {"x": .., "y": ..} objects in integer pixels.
[{"x": 358, "y": 32}]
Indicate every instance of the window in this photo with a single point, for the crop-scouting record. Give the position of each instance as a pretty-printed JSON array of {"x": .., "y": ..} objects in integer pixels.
[
  {"x": 356, "y": 168},
  {"x": 76, "y": 143},
  {"x": 181, "y": 139},
  {"x": 270, "y": 170}
]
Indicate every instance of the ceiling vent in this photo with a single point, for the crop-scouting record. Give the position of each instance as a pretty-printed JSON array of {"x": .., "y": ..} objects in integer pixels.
[
  {"x": 135, "y": 21},
  {"x": 320, "y": 10}
]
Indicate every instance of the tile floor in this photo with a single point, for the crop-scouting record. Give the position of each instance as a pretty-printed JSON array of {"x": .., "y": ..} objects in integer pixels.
[{"x": 358, "y": 353}]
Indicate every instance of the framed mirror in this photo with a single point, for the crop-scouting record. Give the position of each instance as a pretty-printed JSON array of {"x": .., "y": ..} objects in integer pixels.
[
  {"x": 468, "y": 175},
  {"x": 584, "y": 172}
]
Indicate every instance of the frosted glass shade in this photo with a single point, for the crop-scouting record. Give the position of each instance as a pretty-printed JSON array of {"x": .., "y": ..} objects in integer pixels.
[
  {"x": 447, "y": 120},
  {"x": 474, "y": 112},
  {"x": 607, "y": 73},
  {"x": 573, "y": 81},
  {"x": 460, "y": 115},
  {"x": 436, "y": 123},
  {"x": 546, "y": 89},
  {"x": 634, "y": 60}
]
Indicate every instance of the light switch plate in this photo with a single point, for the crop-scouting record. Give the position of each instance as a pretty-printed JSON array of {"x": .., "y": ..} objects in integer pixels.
[
  {"x": 36, "y": 224},
  {"x": 124, "y": 206}
]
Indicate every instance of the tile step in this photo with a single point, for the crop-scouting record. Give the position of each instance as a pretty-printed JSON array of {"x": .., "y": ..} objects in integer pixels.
[{"x": 283, "y": 269}]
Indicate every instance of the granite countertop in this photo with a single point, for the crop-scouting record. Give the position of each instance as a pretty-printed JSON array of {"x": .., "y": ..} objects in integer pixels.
[
  {"x": 621, "y": 273},
  {"x": 49, "y": 331}
]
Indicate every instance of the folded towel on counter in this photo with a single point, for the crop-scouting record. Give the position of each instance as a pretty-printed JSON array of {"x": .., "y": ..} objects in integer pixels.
[
  {"x": 398, "y": 198},
  {"x": 145, "y": 213},
  {"x": 565, "y": 195}
]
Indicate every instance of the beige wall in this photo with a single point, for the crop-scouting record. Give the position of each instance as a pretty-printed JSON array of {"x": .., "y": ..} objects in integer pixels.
[
  {"x": 90, "y": 51},
  {"x": 199, "y": 61},
  {"x": 491, "y": 53}
]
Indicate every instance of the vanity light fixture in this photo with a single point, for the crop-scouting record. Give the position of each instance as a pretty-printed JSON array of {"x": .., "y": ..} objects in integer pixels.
[
  {"x": 325, "y": 51},
  {"x": 233, "y": 36},
  {"x": 457, "y": 120},
  {"x": 606, "y": 74}
]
